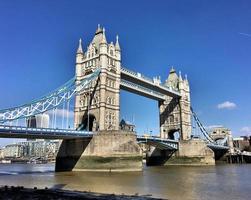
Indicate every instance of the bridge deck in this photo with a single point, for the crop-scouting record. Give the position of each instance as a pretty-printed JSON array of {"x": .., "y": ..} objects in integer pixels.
[{"x": 41, "y": 133}]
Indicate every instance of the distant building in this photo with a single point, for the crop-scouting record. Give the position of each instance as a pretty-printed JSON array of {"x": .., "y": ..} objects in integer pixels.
[
  {"x": 242, "y": 143},
  {"x": 38, "y": 121},
  {"x": 1, "y": 153},
  {"x": 126, "y": 126},
  {"x": 13, "y": 151},
  {"x": 29, "y": 149}
]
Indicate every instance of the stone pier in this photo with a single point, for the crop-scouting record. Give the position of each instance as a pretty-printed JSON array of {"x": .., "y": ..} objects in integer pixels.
[
  {"x": 106, "y": 151},
  {"x": 190, "y": 152}
]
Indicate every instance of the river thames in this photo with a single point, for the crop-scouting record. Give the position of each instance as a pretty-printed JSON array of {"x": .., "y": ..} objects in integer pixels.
[{"x": 172, "y": 182}]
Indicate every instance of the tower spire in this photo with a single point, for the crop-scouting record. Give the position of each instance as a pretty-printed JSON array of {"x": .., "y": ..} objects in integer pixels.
[
  {"x": 117, "y": 46},
  {"x": 180, "y": 77},
  {"x": 80, "y": 50},
  {"x": 103, "y": 37}
]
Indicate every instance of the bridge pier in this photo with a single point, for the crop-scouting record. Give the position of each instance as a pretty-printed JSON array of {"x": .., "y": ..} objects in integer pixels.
[
  {"x": 106, "y": 151},
  {"x": 156, "y": 157},
  {"x": 190, "y": 152}
]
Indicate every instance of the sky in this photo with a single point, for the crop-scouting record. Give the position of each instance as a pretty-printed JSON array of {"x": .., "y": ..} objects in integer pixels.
[{"x": 209, "y": 40}]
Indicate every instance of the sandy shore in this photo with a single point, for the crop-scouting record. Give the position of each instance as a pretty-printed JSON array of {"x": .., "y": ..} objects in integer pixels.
[{"x": 18, "y": 193}]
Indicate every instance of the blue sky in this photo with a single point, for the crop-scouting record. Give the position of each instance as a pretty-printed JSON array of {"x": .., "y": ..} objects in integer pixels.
[{"x": 210, "y": 41}]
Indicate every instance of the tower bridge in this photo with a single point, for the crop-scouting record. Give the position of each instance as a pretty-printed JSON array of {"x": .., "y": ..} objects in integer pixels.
[{"x": 96, "y": 134}]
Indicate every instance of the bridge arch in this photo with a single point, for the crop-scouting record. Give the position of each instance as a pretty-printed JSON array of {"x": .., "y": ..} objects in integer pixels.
[
  {"x": 173, "y": 134},
  {"x": 93, "y": 124}
]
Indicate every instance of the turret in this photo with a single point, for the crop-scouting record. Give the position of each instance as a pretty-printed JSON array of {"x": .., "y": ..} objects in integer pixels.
[
  {"x": 79, "y": 55},
  {"x": 117, "y": 48},
  {"x": 103, "y": 43},
  {"x": 173, "y": 79},
  {"x": 79, "y": 58},
  {"x": 181, "y": 82}
]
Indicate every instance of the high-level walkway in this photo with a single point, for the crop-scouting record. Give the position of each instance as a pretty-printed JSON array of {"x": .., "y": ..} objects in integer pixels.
[{"x": 138, "y": 83}]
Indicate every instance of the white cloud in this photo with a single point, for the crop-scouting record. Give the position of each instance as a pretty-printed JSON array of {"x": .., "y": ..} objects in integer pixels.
[
  {"x": 246, "y": 34},
  {"x": 227, "y": 105}
]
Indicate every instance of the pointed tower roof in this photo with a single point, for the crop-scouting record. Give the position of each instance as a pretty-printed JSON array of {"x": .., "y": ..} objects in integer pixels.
[
  {"x": 172, "y": 70},
  {"x": 172, "y": 79},
  {"x": 99, "y": 37},
  {"x": 117, "y": 46},
  {"x": 103, "y": 37},
  {"x": 99, "y": 30},
  {"x": 80, "y": 50}
]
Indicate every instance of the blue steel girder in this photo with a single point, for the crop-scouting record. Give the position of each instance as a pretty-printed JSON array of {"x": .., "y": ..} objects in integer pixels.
[
  {"x": 163, "y": 144},
  {"x": 50, "y": 101},
  {"x": 217, "y": 147}
]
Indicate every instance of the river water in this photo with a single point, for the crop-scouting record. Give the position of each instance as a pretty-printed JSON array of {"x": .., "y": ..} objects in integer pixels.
[{"x": 172, "y": 182}]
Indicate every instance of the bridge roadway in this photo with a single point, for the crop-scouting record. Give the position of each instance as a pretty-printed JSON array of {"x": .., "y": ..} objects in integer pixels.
[
  {"x": 140, "y": 84},
  {"x": 41, "y": 133},
  {"x": 50, "y": 133}
]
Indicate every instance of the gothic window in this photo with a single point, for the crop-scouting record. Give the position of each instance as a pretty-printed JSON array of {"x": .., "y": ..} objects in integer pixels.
[
  {"x": 96, "y": 98},
  {"x": 108, "y": 100},
  {"x": 111, "y": 52},
  {"x": 171, "y": 118},
  {"x": 86, "y": 101},
  {"x": 110, "y": 119},
  {"x": 81, "y": 102}
]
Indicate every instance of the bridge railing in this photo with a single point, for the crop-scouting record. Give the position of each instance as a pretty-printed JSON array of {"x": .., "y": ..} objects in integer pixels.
[
  {"x": 50, "y": 130},
  {"x": 171, "y": 144}
]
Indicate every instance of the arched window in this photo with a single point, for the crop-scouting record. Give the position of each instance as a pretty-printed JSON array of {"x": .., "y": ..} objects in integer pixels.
[{"x": 171, "y": 118}]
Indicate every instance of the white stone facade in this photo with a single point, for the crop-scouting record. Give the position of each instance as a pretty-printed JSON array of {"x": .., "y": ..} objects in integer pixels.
[
  {"x": 175, "y": 114},
  {"x": 102, "y": 98}
]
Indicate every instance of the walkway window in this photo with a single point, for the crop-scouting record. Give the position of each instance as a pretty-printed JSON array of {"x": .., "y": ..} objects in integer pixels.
[{"x": 171, "y": 118}]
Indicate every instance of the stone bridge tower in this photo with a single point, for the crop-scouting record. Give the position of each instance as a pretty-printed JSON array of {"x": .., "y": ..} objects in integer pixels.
[
  {"x": 175, "y": 115},
  {"x": 102, "y": 99}
]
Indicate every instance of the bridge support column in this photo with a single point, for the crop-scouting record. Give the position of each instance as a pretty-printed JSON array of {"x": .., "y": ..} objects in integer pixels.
[
  {"x": 156, "y": 157},
  {"x": 106, "y": 151},
  {"x": 192, "y": 152}
]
